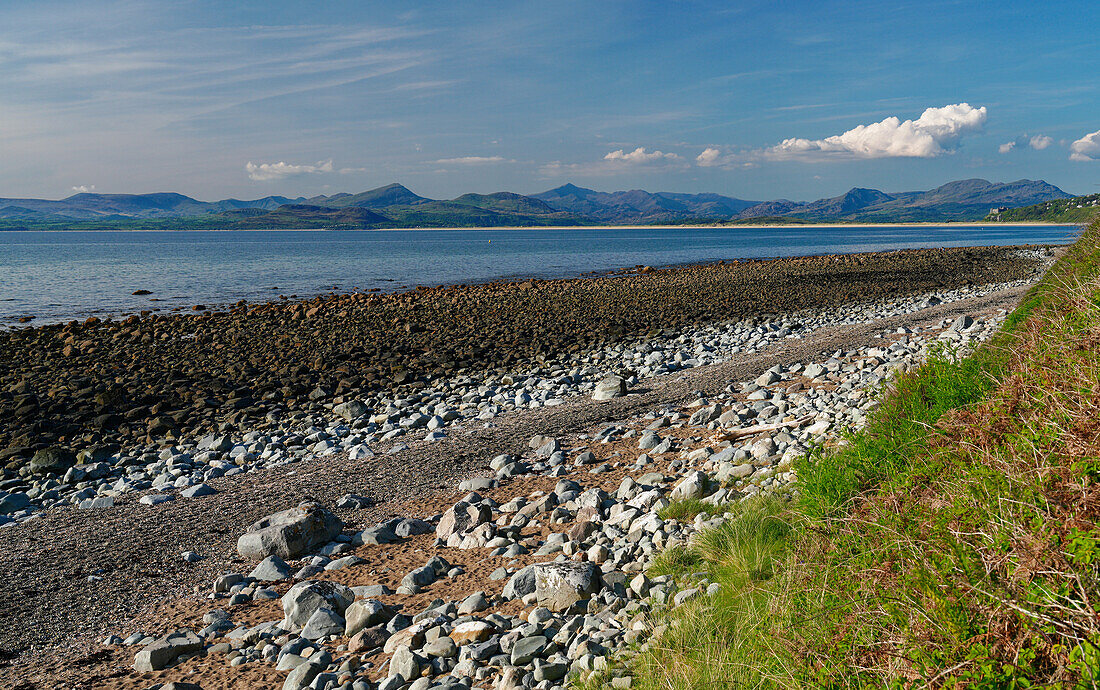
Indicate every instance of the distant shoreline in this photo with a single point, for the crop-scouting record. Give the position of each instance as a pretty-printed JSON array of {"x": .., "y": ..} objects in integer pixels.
[{"x": 713, "y": 226}]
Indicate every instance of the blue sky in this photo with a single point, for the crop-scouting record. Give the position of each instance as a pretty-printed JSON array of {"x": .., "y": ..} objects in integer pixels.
[{"x": 757, "y": 100}]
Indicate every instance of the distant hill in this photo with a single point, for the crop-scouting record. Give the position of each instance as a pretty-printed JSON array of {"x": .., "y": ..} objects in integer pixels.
[
  {"x": 962, "y": 200},
  {"x": 1078, "y": 209},
  {"x": 395, "y": 205},
  {"x": 88, "y": 206},
  {"x": 639, "y": 206},
  {"x": 305, "y": 216},
  {"x": 382, "y": 197}
]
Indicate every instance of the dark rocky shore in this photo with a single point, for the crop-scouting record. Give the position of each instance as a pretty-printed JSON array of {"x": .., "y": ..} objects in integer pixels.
[{"x": 100, "y": 384}]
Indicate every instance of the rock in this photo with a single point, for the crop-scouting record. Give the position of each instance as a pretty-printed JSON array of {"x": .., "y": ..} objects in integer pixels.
[
  {"x": 179, "y": 685},
  {"x": 97, "y": 502},
  {"x": 11, "y": 503},
  {"x": 473, "y": 604},
  {"x": 421, "y": 577},
  {"x": 521, "y": 584},
  {"x": 350, "y": 410},
  {"x": 353, "y": 502},
  {"x": 813, "y": 371},
  {"x": 609, "y": 387},
  {"x": 693, "y": 486},
  {"x": 559, "y": 585},
  {"x": 155, "y": 499},
  {"x": 365, "y": 613},
  {"x": 322, "y": 623},
  {"x": 441, "y": 648},
  {"x": 304, "y": 598},
  {"x": 162, "y": 652},
  {"x": 271, "y": 569},
  {"x": 649, "y": 441},
  {"x": 471, "y": 632},
  {"x": 302, "y": 676},
  {"x": 367, "y": 640},
  {"x": 52, "y": 460},
  {"x": 527, "y": 648},
  {"x": 198, "y": 490},
  {"x": 768, "y": 378},
  {"x": 290, "y": 533},
  {"x": 379, "y": 534},
  {"x": 462, "y": 517},
  {"x": 405, "y": 664},
  {"x": 411, "y": 527}
]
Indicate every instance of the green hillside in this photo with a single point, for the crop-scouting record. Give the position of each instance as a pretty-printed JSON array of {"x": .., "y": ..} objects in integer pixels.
[{"x": 1078, "y": 209}]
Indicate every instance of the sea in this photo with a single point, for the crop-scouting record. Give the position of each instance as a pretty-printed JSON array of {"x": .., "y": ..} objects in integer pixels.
[{"x": 62, "y": 275}]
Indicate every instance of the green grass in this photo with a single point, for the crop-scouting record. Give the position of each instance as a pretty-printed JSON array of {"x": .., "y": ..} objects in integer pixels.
[
  {"x": 952, "y": 542},
  {"x": 685, "y": 510}
]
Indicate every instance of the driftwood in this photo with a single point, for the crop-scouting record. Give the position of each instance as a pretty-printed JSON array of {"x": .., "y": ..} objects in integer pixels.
[{"x": 759, "y": 429}]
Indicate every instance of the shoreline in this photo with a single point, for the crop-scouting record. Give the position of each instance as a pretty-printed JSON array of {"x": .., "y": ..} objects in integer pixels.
[
  {"x": 100, "y": 382},
  {"x": 671, "y": 226},
  {"x": 180, "y": 308}
]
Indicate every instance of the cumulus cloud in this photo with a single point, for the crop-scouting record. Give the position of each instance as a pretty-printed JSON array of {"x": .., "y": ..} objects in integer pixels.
[
  {"x": 263, "y": 172},
  {"x": 1005, "y": 148},
  {"x": 1087, "y": 148},
  {"x": 640, "y": 155},
  {"x": 934, "y": 133},
  {"x": 471, "y": 160},
  {"x": 709, "y": 157},
  {"x": 1040, "y": 142},
  {"x": 84, "y": 188}
]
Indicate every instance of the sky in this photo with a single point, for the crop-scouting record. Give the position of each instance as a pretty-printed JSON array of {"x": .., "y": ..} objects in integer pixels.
[{"x": 756, "y": 100}]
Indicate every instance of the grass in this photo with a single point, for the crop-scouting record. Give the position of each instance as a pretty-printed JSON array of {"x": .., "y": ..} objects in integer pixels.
[
  {"x": 953, "y": 542},
  {"x": 685, "y": 510}
]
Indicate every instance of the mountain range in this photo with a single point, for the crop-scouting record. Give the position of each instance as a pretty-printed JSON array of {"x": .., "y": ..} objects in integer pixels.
[{"x": 396, "y": 206}]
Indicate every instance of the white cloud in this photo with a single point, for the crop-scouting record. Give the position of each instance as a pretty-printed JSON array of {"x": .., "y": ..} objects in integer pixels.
[
  {"x": 1005, "y": 148},
  {"x": 471, "y": 160},
  {"x": 1087, "y": 148},
  {"x": 640, "y": 155},
  {"x": 264, "y": 172},
  {"x": 84, "y": 188},
  {"x": 1040, "y": 142},
  {"x": 935, "y": 132},
  {"x": 709, "y": 157}
]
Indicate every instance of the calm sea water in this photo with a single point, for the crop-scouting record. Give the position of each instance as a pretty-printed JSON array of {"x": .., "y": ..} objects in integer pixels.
[{"x": 58, "y": 276}]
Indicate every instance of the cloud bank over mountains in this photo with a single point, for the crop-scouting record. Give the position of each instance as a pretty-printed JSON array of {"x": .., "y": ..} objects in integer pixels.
[
  {"x": 264, "y": 172},
  {"x": 934, "y": 133}
]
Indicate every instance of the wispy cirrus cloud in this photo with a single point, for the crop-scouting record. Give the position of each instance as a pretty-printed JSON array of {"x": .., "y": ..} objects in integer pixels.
[
  {"x": 1087, "y": 148},
  {"x": 934, "y": 133},
  {"x": 265, "y": 172},
  {"x": 472, "y": 160}
]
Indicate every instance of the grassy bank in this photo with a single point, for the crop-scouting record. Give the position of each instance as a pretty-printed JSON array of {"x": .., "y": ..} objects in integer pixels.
[{"x": 952, "y": 542}]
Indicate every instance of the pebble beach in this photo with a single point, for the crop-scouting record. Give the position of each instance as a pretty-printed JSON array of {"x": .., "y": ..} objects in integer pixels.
[{"x": 454, "y": 487}]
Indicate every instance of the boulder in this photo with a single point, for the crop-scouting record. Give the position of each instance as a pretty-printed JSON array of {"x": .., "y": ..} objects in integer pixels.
[
  {"x": 322, "y": 623},
  {"x": 271, "y": 569},
  {"x": 52, "y": 460},
  {"x": 462, "y": 517},
  {"x": 365, "y": 613},
  {"x": 559, "y": 585},
  {"x": 693, "y": 486},
  {"x": 290, "y": 533},
  {"x": 521, "y": 584},
  {"x": 609, "y": 387},
  {"x": 351, "y": 410},
  {"x": 160, "y": 653},
  {"x": 304, "y": 598}
]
